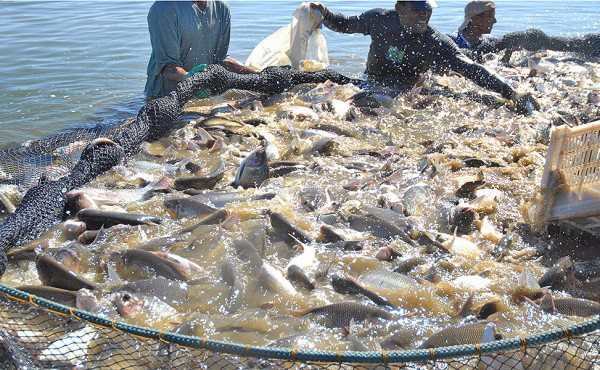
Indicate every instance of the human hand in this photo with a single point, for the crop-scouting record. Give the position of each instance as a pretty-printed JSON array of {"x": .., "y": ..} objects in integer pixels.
[
  {"x": 525, "y": 103},
  {"x": 320, "y": 7}
]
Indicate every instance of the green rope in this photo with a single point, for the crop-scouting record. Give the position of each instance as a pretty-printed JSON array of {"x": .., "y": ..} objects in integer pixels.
[{"x": 268, "y": 353}]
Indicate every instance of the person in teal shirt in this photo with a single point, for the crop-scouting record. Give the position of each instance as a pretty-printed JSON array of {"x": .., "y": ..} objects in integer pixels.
[{"x": 185, "y": 34}]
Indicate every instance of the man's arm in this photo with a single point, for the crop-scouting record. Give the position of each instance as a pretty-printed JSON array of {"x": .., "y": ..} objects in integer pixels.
[
  {"x": 340, "y": 23},
  {"x": 234, "y": 66},
  {"x": 173, "y": 72},
  {"x": 484, "y": 77}
]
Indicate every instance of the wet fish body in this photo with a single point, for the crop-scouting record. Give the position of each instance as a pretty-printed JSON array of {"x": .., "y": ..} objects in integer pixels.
[
  {"x": 349, "y": 286},
  {"x": 55, "y": 274},
  {"x": 145, "y": 261},
  {"x": 63, "y": 296},
  {"x": 220, "y": 198},
  {"x": 253, "y": 170},
  {"x": 95, "y": 219},
  {"x": 454, "y": 335},
  {"x": 188, "y": 207},
  {"x": 340, "y": 314},
  {"x": 207, "y": 181},
  {"x": 384, "y": 279},
  {"x": 170, "y": 291},
  {"x": 275, "y": 281},
  {"x": 282, "y": 224}
]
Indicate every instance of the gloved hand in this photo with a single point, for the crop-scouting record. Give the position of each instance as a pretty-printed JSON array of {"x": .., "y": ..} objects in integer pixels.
[
  {"x": 320, "y": 7},
  {"x": 525, "y": 103},
  {"x": 199, "y": 68}
]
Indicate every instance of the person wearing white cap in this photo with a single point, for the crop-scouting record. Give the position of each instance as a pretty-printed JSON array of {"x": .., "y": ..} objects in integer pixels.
[
  {"x": 473, "y": 36},
  {"x": 404, "y": 47},
  {"x": 480, "y": 17}
]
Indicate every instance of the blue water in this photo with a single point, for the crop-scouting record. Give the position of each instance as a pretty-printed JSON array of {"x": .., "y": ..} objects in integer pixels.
[{"x": 71, "y": 64}]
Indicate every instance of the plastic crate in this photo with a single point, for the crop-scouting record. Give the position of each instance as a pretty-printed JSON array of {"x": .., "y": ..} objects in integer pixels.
[{"x": 571, "y": 179}]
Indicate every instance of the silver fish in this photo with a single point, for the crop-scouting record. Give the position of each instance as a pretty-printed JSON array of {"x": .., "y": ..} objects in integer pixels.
[{"x": 253, "y": 170}]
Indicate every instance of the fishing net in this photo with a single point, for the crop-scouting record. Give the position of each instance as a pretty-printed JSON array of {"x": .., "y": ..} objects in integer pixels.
[
  {"x": 35, "y": 332},
  {"x": 54, "y": 157}
]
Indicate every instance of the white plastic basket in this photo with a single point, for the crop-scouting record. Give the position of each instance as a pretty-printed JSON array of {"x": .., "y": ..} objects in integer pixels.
[{"x": 571, "y": 178}]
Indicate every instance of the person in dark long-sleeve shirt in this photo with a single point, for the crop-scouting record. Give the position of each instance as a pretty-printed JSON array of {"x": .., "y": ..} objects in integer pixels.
[{"x": 404, "y": 46}]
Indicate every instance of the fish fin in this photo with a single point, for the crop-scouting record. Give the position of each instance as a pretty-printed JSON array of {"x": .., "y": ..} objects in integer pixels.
[
  {"x": 230, "y": 221},
  {"x": 162, "y": 185},
  {"x": 425, "y": 282},
  {"x": 466, "y": 308},
  {"x": 218, "y": 145},
  {"x": 547, "y": 302},
  {"x": 302, "y": 311},
  {"x": 526, "y": 299}
]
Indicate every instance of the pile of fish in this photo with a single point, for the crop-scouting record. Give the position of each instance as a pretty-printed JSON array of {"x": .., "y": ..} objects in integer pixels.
[{"x": 330, "y": 217}]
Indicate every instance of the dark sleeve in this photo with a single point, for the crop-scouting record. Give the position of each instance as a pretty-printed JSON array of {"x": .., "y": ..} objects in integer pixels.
[
  {"x": 349, "y": 24},
  {"x": 458, "y": 62}
]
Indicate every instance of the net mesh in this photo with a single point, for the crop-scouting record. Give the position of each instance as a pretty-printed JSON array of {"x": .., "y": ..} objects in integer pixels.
[
  {"x": 54, "y": 157},
  {"x": 36, "y": 333}
]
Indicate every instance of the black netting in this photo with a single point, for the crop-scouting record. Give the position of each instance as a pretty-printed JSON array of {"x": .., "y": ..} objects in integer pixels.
[{"x": 43, "y": 204}]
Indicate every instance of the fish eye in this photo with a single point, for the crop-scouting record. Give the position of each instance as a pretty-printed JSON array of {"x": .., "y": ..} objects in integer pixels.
[
  {"x": 498, "y": 337},
  {"x": 126, "y": 297}
]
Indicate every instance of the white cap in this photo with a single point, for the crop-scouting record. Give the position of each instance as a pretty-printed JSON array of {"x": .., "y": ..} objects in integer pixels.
[{"x": 473, "y": 8}]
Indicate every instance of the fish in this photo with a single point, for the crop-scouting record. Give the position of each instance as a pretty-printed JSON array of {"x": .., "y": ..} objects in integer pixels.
[
  {"x": 384, "y": 279},
  {"x": 219, "y": 121},
  {"x": 274, "y": 280},
  {"x": 136, "y": 260},
  {"x": 471, "y": 333},
  {"x": 569, "y": 306},
  {"x": 499, "y": 362},
  {"x": 306, "y": 259},
  {"x": 235, "y": 298},
  {"x": 378, "y": 227},
  {"x": 220, "y": 198},
  {"x": 310, "y": 198},
  {"x": 9, "y": 207},
  {"x": 297, "y": 275},
  {"x": 457, "y": 218},
  {"x": 188, "y": 207},
  {"x": 324, "y": 146},
  {"x": 121, "y": 196},
  {"x": 69, "y": 258},
  {"x": 347, "y": 285},
  {"x": 168, "y": 290},
  {"x": 207, "y": 181},
  {"x": 291, "y": 232},
  {"x": 248, "y": 254},
  {"x": 559, "y": 276},
  {"x": 415, "y": 197},
  {"x": 55, "y": 274},
  {"x": 253, "y": 171},
  {"x": 132, "y": 305},
  {"x": 71, "y": 349},
  {"x": 456, "y": 245},
  {"x": 183, "y": 264},
  {"x": 217, "y": 217},
  {"x": 467, "y": 190},
  {"x": 95, "y": 219},
  {"x": 86, "y": 301},
  {"x": 62, "y": 296},
  {"x": 340, "y": 314},
  {"x": 28, "y": 252},
  {"x": 405, "y": 266}
]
